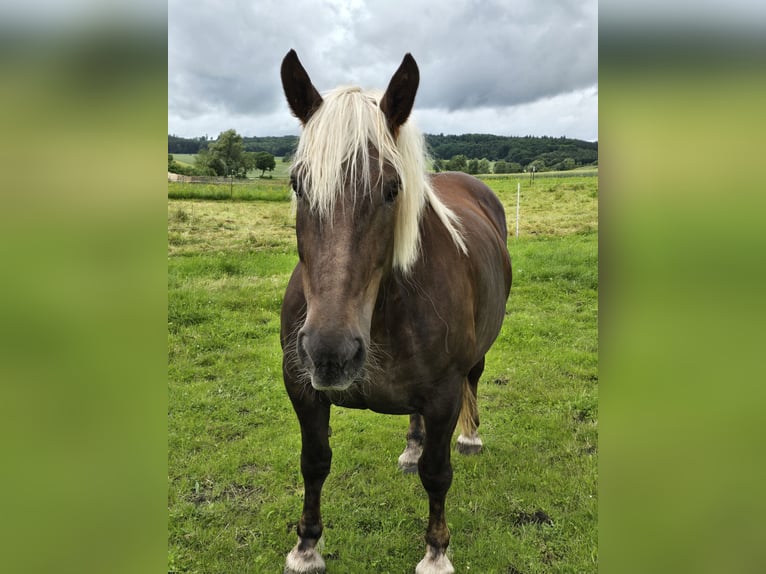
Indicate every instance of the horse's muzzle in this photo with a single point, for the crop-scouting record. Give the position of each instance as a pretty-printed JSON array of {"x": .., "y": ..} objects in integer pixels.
[{"x": 333, "y": 360}]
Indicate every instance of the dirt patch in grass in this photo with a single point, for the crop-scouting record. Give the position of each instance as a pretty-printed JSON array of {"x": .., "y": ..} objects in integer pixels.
[{"x": 537, "y": 517}]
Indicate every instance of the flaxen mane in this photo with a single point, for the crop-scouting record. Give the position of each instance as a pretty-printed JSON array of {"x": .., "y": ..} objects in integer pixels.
[{"x": 335, "y": 145}]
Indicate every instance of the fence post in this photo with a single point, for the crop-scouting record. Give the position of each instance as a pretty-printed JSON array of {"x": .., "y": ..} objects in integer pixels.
[{"x": 518, "y": 199}]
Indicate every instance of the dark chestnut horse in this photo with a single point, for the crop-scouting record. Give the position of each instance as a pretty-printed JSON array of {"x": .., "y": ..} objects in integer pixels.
[{"x": 399, "y": 293}]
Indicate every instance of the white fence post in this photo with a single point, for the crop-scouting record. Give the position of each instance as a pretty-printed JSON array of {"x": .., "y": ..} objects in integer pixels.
[{"x": 518, "y": 199}]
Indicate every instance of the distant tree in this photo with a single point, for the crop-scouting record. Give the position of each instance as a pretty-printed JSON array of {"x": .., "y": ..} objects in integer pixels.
[
  {"x": 218, "y": 167},
  {"x": 206, "y": 164},
  {"x": 473, "y": 166},
  {"x": 514, "y": 167},
  {"x": 568, "y": 163},
  {"x": 438, "y": 165},
  {"x": 228, "y": 150},
  {"x": 457, "y": 163},
  {"x": 501, "y": 166},
  {"x": 201, "y": 160},
  {"x": 247, "y": 164},
  {"x": 226, "y": 156},
  {"x": 484, "y": 165},
  {"x": 264, "y": 161}
]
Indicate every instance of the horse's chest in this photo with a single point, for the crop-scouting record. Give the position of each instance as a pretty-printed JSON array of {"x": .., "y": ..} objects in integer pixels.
[{"x": 377, "y": 394}]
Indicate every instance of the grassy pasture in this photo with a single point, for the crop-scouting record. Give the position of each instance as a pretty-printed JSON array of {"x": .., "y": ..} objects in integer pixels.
[
  {"x": 186, "y": 158},
  {"x": 526, "y": 505},
  {"x": 261, "y": 189}
]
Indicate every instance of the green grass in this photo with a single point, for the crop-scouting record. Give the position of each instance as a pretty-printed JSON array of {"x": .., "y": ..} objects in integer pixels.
[
  {"x": 262, "y": 189},
  {"x": 185, "y": 158},
  {"x": 234, "y": 485}
]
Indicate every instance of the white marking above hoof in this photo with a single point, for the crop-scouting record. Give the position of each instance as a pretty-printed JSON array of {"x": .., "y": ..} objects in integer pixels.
[
  {"x": 305, "y": 561},
  {"x": 469, "y": 444},
  {"x": 408, "y": 460},
  {"x": 434, "y": 563}
]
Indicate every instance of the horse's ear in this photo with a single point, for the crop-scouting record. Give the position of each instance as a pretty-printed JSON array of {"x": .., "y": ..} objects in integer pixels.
[
  {"x": 301, "y": 94},
  {"x": 399, "y": 98}
]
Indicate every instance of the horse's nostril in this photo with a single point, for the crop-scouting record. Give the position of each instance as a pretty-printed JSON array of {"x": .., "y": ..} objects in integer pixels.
[
  {"x": 361, "y": 352},
  {"x": 302, "y": 348}
]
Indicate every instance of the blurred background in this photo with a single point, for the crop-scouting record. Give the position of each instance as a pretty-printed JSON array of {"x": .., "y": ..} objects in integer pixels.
[
  {"x": 83, "y": 288},
  {"x": 681, "y": 299},
  {"x": 83, "y": 117}
]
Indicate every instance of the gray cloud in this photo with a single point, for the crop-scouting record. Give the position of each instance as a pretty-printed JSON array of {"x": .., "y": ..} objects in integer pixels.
[{"x": 479, "y": 60}]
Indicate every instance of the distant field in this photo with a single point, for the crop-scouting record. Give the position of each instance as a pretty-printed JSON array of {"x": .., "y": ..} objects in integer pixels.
[
  {"x": 187, "y": 158},
  {"x": 550, "y": 205},
  {"x": 281, "y": 170},
  {"x": 528, "y": 504}
]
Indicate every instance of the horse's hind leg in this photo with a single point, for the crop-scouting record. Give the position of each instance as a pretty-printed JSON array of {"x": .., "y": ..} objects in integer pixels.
[
  {"x": 408, "y": 460},
  {"x": 469, "y": 441}
]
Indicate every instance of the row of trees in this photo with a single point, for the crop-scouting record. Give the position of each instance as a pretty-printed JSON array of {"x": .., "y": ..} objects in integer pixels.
[
  {"x": 278, "y": 146},
  {"x": 226, "y": 156},
  {"x": 512, "y": 149},
  {"x": 229, "y": 156},
  {"x": 462, "y": 163},
  {"x": 521, "y": 151},
  {"x": 474, "y": 166},
  {"x": 177, "y": 144}
]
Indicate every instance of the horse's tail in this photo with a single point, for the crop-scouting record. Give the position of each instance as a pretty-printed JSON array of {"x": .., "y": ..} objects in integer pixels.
[{"x": 468, "y": 412}]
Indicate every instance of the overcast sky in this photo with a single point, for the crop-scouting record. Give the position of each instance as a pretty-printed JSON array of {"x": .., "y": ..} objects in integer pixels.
[{"x": 522, "y": 67}]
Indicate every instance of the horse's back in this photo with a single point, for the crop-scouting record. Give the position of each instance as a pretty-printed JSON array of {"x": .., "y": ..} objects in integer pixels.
[
  {"x": 462, "y": 192},
  {"x": 482, "y": 218}
]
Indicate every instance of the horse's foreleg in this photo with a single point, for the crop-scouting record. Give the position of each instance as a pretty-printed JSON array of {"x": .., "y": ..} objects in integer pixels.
[
  {"x": 316, "y": 457},
  {"x": 408, "y": 460},
  {"x": 435, "y": 471}
]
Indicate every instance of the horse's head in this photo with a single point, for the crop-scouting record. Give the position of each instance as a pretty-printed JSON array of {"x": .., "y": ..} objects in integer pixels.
[{"x": 357, "y": 212}]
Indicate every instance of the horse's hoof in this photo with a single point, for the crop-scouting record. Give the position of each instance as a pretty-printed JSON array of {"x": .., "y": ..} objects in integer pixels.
[
  {"x": 304, "y": 561},
  {"x": 469, "y": 445},
  {"x": 434, "y": 563},
  {"x": 408, "y": 460}
]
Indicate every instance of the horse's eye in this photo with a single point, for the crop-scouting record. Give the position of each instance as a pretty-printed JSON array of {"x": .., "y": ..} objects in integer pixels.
[
  {"x": 295, "y": 183},
  {"x": 392, "y": 190}
]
